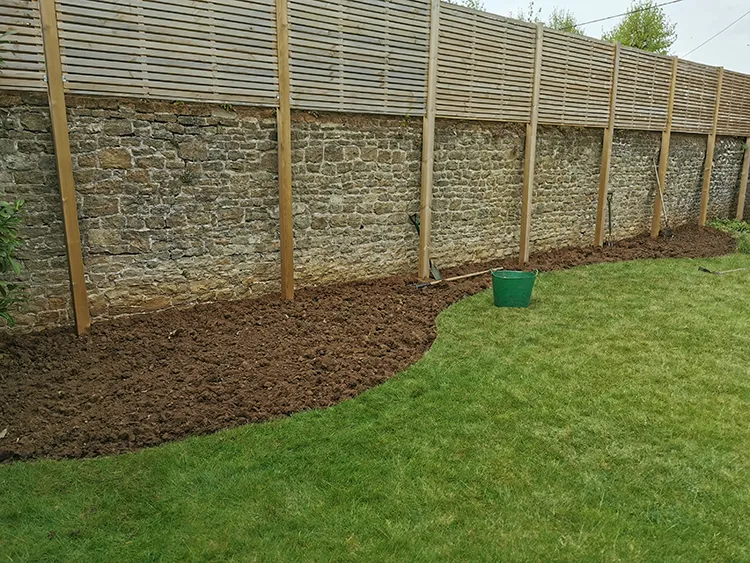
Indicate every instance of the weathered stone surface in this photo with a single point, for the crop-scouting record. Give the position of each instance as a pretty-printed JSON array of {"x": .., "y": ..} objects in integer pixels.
[
  {"x": 682, "y": 197},
  {"x": 568, "y": 162},
  {"x": 725, "y": 178},
  {"x": 477, "y": 191},
  {"x": 27, "y": 171},
  {"x": 351, "y": 207},
  {"x": 633, "y": 181},
  {"x": 194, "y": 149},
  {"x": 114, "y": 158},
  {"x": 118, "y": 127},
  {"x": 35, "y": 121}
]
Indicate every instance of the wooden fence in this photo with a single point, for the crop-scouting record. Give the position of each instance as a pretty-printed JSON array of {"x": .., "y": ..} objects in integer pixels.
[
  {"x": 361, "y": 56},
  {"x": 402, "y": 57}
]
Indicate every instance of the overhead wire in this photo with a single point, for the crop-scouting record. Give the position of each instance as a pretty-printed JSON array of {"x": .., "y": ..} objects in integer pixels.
[{"x": 717, "y": 34}]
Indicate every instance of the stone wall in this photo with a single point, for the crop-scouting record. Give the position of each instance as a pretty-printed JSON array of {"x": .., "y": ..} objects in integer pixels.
[
  {"x": 568, "y": 162},
  {"x": 633, "y": 181},
  {"x": 682, "y": 194},
  {"x": 725, "y": 177},
  {"x": 178, "y": 202},
  {"x": 477, "y": 191},
  {"x": 27, "y": 171},
  {"x": 356, "y": 180}
]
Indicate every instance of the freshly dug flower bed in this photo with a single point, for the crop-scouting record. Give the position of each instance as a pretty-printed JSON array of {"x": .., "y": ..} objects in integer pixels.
[{"x": 144, "y": 380}]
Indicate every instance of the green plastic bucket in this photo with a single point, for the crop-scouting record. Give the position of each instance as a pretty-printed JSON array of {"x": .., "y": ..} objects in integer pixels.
[{"x": 511, "y": 288}]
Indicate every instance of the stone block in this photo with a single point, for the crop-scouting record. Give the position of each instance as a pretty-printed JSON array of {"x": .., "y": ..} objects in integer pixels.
[
  {"x": 116, "y": 158},
  {"x": 193, "y": 150},
  {"x": 117, "y": 127},
  {"x": 333, "y": 153},
  {"x": 86, "y": 160},
  {"x": 36, "y": 121}
]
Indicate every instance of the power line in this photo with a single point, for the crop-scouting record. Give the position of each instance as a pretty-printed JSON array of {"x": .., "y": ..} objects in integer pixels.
[
  {"x": 715, "y": 36},
  {"x": 645, "y": 8}
]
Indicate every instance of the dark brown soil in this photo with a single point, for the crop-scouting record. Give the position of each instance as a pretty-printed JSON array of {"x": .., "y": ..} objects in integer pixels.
[{"x": 143, "y": 380}]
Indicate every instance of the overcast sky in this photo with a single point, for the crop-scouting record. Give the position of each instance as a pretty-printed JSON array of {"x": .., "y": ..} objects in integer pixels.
[{"x": 696, "y": 20}]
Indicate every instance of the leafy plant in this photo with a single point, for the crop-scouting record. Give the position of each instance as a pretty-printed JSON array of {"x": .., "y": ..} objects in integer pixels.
[
  {"x": 645, "y": 27},
  {"x": 743, "y": 243},
  {"x": 531, "y": 14},
  {"x": 473, "y": 4},
  {"x": 730, "y": 225},
  {"x": 11, "y": 292},
  {"x": 564, "y": 20},
  {"x": 740, "y": 230},
  {"x": 561, "y": 19}
]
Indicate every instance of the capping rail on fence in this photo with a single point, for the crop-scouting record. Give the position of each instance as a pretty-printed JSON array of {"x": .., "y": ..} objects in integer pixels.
[{"x": 401, "y": 57}]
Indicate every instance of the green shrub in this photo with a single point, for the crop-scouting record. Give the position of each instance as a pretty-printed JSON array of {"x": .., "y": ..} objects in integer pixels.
[
  {"x": 740, "y": 230},
  {"x": 743, "y": 243},
  {"x": 11, "y": 292},
  {"x": 730, "y": 225}
]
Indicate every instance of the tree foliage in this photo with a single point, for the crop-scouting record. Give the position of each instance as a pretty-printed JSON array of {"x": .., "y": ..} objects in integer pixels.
[
  {"x": 564, "y": 20},
  {"x": 560, "y": 18},
  {"x": 530, "y": 14},
  {"x": 473, "y": 4},
  {"x": 645, "y": 27}
]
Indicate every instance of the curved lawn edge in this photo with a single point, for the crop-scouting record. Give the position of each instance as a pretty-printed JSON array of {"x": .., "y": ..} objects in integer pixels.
[{"x": 141, "y": 381}]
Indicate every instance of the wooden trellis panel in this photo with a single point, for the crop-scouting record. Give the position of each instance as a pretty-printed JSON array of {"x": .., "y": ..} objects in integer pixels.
[
  {"x": 734, "y": 105},
  {"x": 576, "y": 80},
  {"x": 24, "y": 53},
  {"x": 695, "y": 98},
  {"x": 359, "y": 55},
  {"x": 221, "y": 51},
  {"x": 485, "y": 66},
  {"x": 643, "y": 90}
]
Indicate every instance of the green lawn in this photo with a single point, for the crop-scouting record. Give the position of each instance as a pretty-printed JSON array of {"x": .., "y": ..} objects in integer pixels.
[{"x": 610, "y": 421}]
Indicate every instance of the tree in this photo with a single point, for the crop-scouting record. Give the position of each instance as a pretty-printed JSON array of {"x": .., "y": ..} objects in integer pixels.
[
  {"x": 560, "y": 18},
  {"x": 645, "y": 27},
  {"x": 531, "y": 14},
  {"x": 564, "y": 20},
  {"x": 473, "y": 4}
]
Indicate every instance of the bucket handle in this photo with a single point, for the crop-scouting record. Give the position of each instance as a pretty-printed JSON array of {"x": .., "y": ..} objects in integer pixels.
[{"x": 493, "y": 270}]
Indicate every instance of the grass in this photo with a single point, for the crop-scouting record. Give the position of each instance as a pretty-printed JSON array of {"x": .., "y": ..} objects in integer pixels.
[
  {"x": 610, "y": 421},
  {"x": 740, "y": 230}
]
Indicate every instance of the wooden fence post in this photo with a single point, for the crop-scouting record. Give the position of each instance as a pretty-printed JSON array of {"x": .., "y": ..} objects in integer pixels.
[
  {"x": 530, "y": 152},
  {"x": 59, "y": 121},
  {"x": 284, "y": 134},
  {"x": 743, "y": 182},
  {"x": 709, "y": 164},
  {"x": 666, "y": 137},
  {"x": 428, "y": 147},
  {"x": 609, "y": 134}
]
